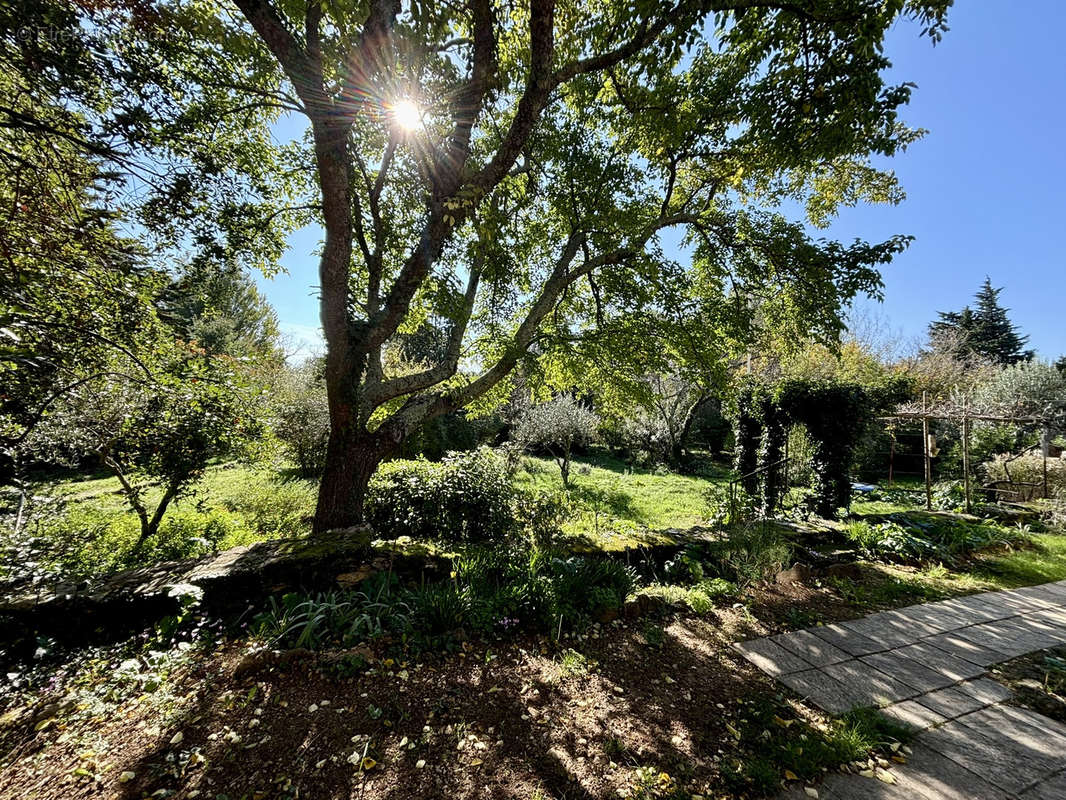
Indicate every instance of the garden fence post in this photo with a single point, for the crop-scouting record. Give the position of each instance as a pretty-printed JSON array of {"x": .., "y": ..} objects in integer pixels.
[
  {"x": 925, "y": 453},
  {"x": 966, "y": 451},
  {"x": 1045, "y": 442}
]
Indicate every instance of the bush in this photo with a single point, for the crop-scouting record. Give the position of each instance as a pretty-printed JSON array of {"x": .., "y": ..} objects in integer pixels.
[
  {"x": 301, "y": 417},
  {"x": 468, "y": 497},
  {"x": 751, "y": 553},
  {"x": 1028, "y": 469}
]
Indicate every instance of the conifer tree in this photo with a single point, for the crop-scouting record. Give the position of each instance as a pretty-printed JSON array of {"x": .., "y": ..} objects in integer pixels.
[{"x": 984, "y": 330}]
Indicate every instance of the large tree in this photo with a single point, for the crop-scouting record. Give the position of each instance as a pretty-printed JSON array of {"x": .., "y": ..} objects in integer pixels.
[
  {"x": 505, "y": 171},
  {"x": 510, "y": 168}
]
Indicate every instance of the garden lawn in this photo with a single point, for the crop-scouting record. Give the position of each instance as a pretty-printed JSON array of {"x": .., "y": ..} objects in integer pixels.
[{"x": 614, "y": 507}]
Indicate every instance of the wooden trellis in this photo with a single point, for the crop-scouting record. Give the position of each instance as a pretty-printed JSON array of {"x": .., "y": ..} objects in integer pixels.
[{"x": 966, "y": 416}]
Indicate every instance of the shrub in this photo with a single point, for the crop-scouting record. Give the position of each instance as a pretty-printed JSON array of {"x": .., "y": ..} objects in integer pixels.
[
  {"x": 301, "y": 417},
  {"x": 750, "y": 553},
  {"x": 1028, "y": 469},
  {"x": 467, "y": 497}
]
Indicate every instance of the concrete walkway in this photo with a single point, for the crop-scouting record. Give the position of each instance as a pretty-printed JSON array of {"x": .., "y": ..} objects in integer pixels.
[{"x": 923, "y": 666}]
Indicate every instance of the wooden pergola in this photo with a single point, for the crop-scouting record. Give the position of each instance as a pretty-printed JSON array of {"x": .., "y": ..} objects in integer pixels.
[{"x": 965, "y": 415}]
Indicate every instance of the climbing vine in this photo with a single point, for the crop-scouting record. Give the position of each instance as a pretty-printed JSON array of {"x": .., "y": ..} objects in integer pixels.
[{"x": 835, "y": 414}]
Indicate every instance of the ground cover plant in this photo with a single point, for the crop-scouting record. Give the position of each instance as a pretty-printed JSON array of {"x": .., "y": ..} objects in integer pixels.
[
  {"x": 642, "y": 712},
  {"x": 656, "y": 703},
  {"x": 1037, "y": 681}
]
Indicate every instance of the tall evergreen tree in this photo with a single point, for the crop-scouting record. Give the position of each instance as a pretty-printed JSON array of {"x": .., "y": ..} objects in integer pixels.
[
  {"x": 985, "y": 330},
  {"x": 219, "y": 307}
]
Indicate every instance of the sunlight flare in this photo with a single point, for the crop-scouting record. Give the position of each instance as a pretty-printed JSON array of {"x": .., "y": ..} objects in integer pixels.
[{"x": 406, "y": 114}]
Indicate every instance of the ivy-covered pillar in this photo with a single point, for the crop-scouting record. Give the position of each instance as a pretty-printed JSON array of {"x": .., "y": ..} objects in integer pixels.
[
  {"x": 747, "y": 430},
  {"x": 771, "y": 451}
]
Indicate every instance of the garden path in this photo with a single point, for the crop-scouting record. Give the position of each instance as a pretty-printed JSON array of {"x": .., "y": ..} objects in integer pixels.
[{"x": 924, "y": 666}]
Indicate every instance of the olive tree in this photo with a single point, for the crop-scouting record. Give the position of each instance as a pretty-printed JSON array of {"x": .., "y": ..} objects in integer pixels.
[
  {"x": 557, "y": 426},
  {"x": 156, "y": 435}
]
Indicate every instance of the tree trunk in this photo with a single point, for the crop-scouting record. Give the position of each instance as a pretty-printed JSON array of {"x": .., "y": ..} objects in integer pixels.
[
  {"x": 150, "y": 527},
  {"x": 351, "y": 459}
]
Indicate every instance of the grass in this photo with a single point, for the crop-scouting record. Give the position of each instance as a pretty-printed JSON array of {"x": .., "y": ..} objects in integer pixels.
[
  {"x": 783, "y": 746},
  {"x": 223, "y": 485},
  {"x": 615, "y": 507},
  {"x": 92, "y": 530},
  {"x": 887, "y": 585}
]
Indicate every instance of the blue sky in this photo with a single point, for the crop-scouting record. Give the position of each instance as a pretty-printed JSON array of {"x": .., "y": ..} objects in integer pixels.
[{"x": 985, "y": 192}]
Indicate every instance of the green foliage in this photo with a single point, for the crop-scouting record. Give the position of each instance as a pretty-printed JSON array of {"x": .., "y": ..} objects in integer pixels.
[
  {"x": 948, "y": 495},
  {"x": 921, "y": 537},
  {"x": 700, "y": 599},
  {"x": 556, "y": 427},
  {"x": 300, "y": 416},
  {"x": 536, "y": 587},
  {"x": 1030, "y": 388},
  {"x": 777, "y": 741},
  {"x": 334, "y": 619},
  {"x": 85, "y": 542},
  {"x": 494, "y": 590},
  {"x": 273, "y": 508},
  {"x": 440, "y": 608},
  {"x": 747, "y": 428},
  {"x": 1028, "y": 469},
  {"x": 168, "y": 429},
  {"x": 685, "y": 567},
  {"x": 442, "y": 435},
  {"x": 219, "y": 307},
  {"x": 468, "y": 497},
  {"x": 985, "y": 331},
  {"x": 750, "y": 553},
  {"x": 834, "y": 414}
]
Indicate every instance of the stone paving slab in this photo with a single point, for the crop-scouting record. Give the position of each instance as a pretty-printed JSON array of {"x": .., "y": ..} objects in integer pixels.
[
  {"x": 847, "y": 640},
  {"x": 923, "y": 665},
  {"x": 913, "y": 714},
  {"x": 958, "y": 669},
  {"x": 834, "y": 695},
  {"x": 1053, "y": 788},
  {"x": 908, "y": 671},
  {"x": 993, "y": 754},
  {"x": 811, "y": 648},
  {"x": 974, "y": 652},
  {"x": 873, "y": 687},
  {"x": 771, "y": 657},
  {"x": 952, "y": 702}
]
